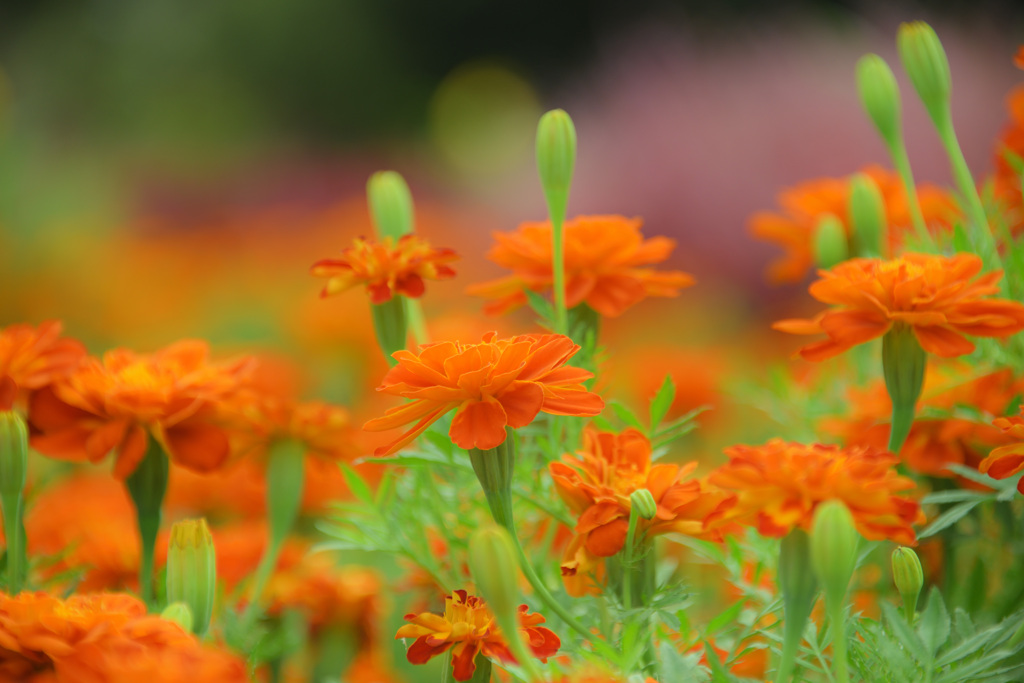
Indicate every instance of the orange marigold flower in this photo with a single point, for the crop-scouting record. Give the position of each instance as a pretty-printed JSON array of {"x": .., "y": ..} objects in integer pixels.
[
  {"x": 102, "y": 637},
  {"x": 386, "y": 267},
  {"x": 468, "y": 628},
  {"x": 779, "y": 485},
  {"x": 605, "y": 259},
  {"x": 1006, "y": 461},
  {"x": 491, "y": 385},
  {"x": 932, "y": 294},
  {"x": 33, "y": 357},
  {"x": 1009, "y": 147},
  {"x": 597, "y": 483},
  {"x": 121, "y": 402},
  {"x": 804, "y": 205}
]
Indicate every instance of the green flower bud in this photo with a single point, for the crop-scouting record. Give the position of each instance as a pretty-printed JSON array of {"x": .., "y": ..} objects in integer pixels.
[
  {"x": 834, "y": 540},
  {"x": 495, "y": 568},
  {"x": 180, "y": 614},
  {"x": 925, "y": 62},
  {"x": 390, "y": 204},
  {"x": 192, "y": 570},
  {"x": 556, "y": 160},
  {"x": 642, "y": 502},
  {"x": 390, "y": 322},
  {"x": 494, "y": 468},
  {"x": 903, "y": 365},
  {"x": 908, "y": 577},
  {"x": 867, "y": 216},
  {"x": 13, "y": 453},
  {"x": 799, "y": 588},
  {"x": 880, "y": 96},
  {"x": 830, "y": 244}
]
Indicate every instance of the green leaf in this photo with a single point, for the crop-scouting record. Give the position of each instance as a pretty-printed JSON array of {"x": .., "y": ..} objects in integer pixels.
[
  {"x": 718, "y": 672},
  {"x": 934, "y": 625},
  {"x": 955, "y": 497},
  {"x": 948, "y": 518},
  {"x": 729, "y": 616},
  {"x": 541, "y": 306},
  {"x": 899, "y": 627},
  {"x": 961, "y": 243},
  {"x": 626, "y": 415},
  {"x": 662, "y": 401},
  {"x": 356, "y": 484}
]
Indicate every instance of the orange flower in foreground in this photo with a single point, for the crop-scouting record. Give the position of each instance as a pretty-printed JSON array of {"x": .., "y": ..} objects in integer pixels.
[
  {"x": 386, "y": 267},
  {"x": 31, "y": 358},
  {"x": 102, "y": 637},
  {"x": 120, "y": 403},
  {"x": 933, "y": 295},
  {"x": 1006, "y": 461},
  {"x": 779, "y": 485},
  {"x": 468, "y": 628},
  {"x": 597, "y": 483},
  {"x": 605, "y": 259},
  {"x": 490, "y": 385},
  {"x": 807, "y": 203}
]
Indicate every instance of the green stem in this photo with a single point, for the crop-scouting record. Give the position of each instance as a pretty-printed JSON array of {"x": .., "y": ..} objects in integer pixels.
[
  {"x": 147, "y": 486},
  {"x": 840, "y": 666},
  {"x": 799, "y": 586},
  {"x": 389, "y": 322},
  {"x": 417, "y": 323},
  {"x": 558, "y": 269},
  {"x": 14, "y": 531},
  {"x": 902, "y": 163},
  {"x": 628, "y": 561},
  {"x": 981, "y": 234}
]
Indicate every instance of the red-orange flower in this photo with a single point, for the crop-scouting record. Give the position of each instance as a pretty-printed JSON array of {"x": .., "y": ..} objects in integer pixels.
[
  {"x": 932, "y": 294},
  {"x": 605, "y": 265},
  {"x": 804, "y": 205},
  {"x": 1006, "y": 461},
  {"x": 121, "y": 402},
  {"x": 779, "y": 485},
  {"x": 467, "y": 628},
  {"x": 386, "y": 267},
  {"x": 31, "y": 358},
  {"x": 597, "y": 483},
  {"x": 491, "y": 385},
  {"x": 105, "y": 638}
]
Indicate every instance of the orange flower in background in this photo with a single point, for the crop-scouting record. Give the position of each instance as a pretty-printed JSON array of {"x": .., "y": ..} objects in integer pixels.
[
  {"x": 33, "y": 357},
  {"x": 806, "y": 204},
  {"x": 932, "y": 294},
  {"x": 120, "y": 403},
  {"x": 1009, "y": 149},
  {"x": 1006, "y": 461},
  {"x": 779, "y": 485},
  {"x": 596, "y": 484},
  {"x": 386, "y": 267},
  {"x": 491, "y": 385},
  {"x": 605, "y": 259},
  {"x": 102, "y": 637},
  {"x": 467, "y": 628}
]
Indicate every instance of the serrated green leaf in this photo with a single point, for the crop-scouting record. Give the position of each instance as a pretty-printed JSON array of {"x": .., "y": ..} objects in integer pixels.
[
  {"x": 933, "y": 625},
  {"x": 662, "y": 401},
  {"x": 541, "y": 306},
  {"x": 729, "y": 616},
  {"x": 625, "y": 415},
  {"x": 948, "y": 518},
  {"x": 718, "y": 672},
  {"x": 898, "y": 626},
  {"x": 356, "y": 484}
]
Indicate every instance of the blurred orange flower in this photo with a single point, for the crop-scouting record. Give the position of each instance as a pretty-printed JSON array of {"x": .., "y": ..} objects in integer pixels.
[
  {"x": 779, "y": 485},
  {"x": 467, "y": 628},
  {"x": 386, "y": 267},
  {"x": 121, "y": 402},
  {"x": 604, "y": 265},
  {"x": 102, "y": 637},
  {"x": 804, "y": 205},
  {"x": 932, "y": 294},
  {"x": 1006, "y": 461},
  {"x": 597, "y": 483},
  {"x": 31, "y": 358},
  {"x": 491, "y": 385}
]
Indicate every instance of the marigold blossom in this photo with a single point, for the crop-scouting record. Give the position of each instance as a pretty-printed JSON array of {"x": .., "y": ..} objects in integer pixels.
[
  {"x": 805, "y": 204},
  {"x": 467, "y": 628},
  {"x": 491, "y": 385},
  {"x": 102, "y": 637},
  {"x": 120, "y": 402},
  {"x": 934, "y": 295},
  {"x": 1006, "y": 461},
  {"x": 596, "y": 484},
  {"x": 386, "y": 267},
  {"x": 605, "y": 265},
  {"x": 779, "y": 485},
  {"x": 32, "y": 357}
]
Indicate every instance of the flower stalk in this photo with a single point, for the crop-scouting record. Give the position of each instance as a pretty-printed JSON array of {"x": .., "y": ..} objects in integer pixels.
[
  {"x": 834, "y": 541},
  {"x": 908, "y": 575},
  {"x": 556, "y": 161},
  {"x": 147, "y": 485},
  {"x": 390, "y": 324},
  {"x": 799, "y": 587},
  {"x": 13, "y": 473}
]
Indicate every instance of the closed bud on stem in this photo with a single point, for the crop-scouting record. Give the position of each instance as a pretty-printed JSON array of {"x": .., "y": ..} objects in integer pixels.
[
  {"x": 867, "y": 216},
  {"x": 880, "y": 96},
  {"x": 799, "y": 590},
  {"x": 903, "y": 364},
  {"x": 830, "y": 243},
  {"x": 13, "y": 453},
  {"x": 192, "y": 570},
  {"x": 494, "y": 468},
  {"x": 180, "y": 614},
  {"x": 556, "y": 160},
  {"x": 834, "y": 540},
  {"x": 927, "y": 66},
  {"x": 908, "y": 576},
  {"x": 390, "y": 322},
  {"x": 642, "y": 501},
  {"x": 390, "y": 203}
]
